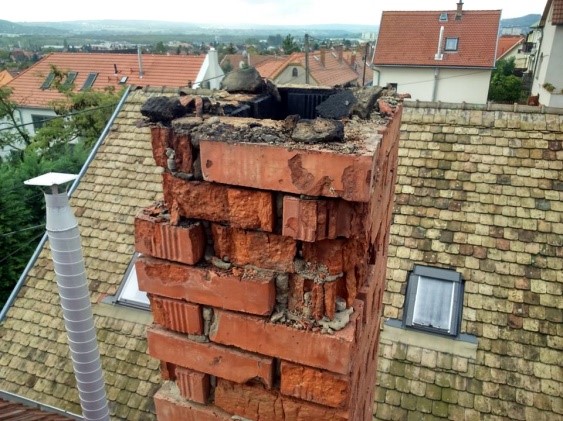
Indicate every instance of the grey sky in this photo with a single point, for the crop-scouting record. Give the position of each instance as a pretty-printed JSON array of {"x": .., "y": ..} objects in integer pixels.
[{"x": 284, "y": 12}]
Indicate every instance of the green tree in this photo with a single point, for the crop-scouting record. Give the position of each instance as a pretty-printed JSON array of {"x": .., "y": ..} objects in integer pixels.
[
  {"x": 289, "y": 45},
  {"x": 80, "y": 116},
  {"x": 504, "y": 86},
  {"x": 22, "y": 209}
]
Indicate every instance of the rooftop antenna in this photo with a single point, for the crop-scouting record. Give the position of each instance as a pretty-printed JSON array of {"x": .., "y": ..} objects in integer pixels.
[{"x": 66, "y": 251}]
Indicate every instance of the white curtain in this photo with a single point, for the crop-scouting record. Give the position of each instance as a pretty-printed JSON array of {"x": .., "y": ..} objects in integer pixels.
[{"x": 434, "y": 303}]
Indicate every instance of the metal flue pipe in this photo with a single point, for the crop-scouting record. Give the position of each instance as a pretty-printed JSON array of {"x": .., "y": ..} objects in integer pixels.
[{"x": 66, "y": 251}]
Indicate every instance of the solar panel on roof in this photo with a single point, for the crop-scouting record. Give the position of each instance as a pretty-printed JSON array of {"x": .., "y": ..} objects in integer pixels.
[
  {"x": 48, "y": 80},
  {"x": 89, "y": 81}
]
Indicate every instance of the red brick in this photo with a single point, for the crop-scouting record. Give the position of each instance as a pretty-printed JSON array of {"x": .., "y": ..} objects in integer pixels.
[
  {"x": 217, "y": 360},
  {"x": 170, "y": 406},
  {"x": 256, "y": 403},
  {"x": 156, "y": 237},
  {"x": 193, "y": 385},
  {"x": 314, "y": 220},
  {"x": 260, "y": 249},
  {"x": 242, "y": 208},
  {"x": 161, "y": 139},
  {"x": 244, "y": 290},
  {"x": 331, "y": 352},
  {"x": 177, "y": 315},
  {"x": 183, "y": 154},
  {"x": 314, "y": 385},
  {"x": 278, "y": 168},
  {"x": 328, "y": 253}
]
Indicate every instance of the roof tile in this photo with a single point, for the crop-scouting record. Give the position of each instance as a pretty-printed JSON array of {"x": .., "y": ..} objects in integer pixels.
[{"x": 411, "y": 38}]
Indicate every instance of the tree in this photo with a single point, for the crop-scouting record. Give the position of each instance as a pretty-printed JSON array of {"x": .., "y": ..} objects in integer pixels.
[
  {"x": 22, "y": 209},
  {"x": 81, "y": 115},
  {"x": 504, "y": 86},
  {"x": 289, "y": 45}
]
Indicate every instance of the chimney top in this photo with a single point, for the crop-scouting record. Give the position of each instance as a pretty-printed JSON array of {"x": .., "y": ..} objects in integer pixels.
[{"x": 459, "y": 11}]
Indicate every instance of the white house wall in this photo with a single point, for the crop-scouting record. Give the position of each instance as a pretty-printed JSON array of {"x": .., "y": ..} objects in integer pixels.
[
  {"x": 452, "y": 85},
  {"x": 549, "y": 65},
  {"x": 25, "y": 120},
  {"x": 286, "y": 77}
]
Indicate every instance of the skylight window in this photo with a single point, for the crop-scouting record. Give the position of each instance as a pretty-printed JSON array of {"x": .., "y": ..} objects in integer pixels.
[
  {"x": 434, "y": 300},
  {"x": 129, "y": 293},
  {"x": 443, "y": 17},
  {"x": 451, "y": 44},
  {"x": 48, "y": 81},
  {"x": 70, "y": 78},
  {"x": 89, "y": 81}
]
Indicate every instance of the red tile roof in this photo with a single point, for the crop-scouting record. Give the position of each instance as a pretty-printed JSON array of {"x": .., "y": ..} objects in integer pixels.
[
  {"x": 158, "y": 70},
  {"x": 5, "y": 77},
  {"x": 411, "y": 38},
  {"x": 332, "y": 73},
  {"x": 557, "y": 16},
  {"x": 19, "y": 412},
  {"x": 506, "y": 43}
]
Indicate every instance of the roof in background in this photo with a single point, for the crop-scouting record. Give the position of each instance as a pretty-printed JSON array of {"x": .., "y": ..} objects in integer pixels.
[
  {"x": 5, "y": 77},
  {"x": 334, "y": 72},
  {"x": 507, "y": 43},
  {"x": 158, "y": 70},
  {"x": 557, "y": 17},
  {"x": 14, "y": 411},
  {"x": 34, "y": 355},
  {"x": 235, "y": 59},
  {"x": 411, "y": 38}
]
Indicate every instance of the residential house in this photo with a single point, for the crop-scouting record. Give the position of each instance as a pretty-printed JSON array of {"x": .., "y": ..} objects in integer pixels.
[
  {"x": 34, "y": 92},
  {"x": 443, "y": 56},
  {"x": 325, "y": 68},
  {"x": 548, "y": 77},
  {"x": 244, "y": 59},
  {"x": 512, "y": 46},
  {"x": 472, "y": 305}
]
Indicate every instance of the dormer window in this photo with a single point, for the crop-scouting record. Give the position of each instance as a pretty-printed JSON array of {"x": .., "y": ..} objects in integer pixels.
[
  {"x": 451, "y": 44},
  {"x": 443, "y": 17}
]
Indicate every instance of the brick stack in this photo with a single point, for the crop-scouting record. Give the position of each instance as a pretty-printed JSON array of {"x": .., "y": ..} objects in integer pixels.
[{"x": 265, "y": 278}]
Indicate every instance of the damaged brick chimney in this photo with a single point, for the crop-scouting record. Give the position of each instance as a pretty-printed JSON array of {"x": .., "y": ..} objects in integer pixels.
[{"x": 265, "y": 265}]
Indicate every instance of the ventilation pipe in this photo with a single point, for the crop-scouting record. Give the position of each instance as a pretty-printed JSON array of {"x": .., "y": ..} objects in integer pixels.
[
  {"x": 439, "y": 55},
  {"x": 140, "y": 57},
  {"x": 66, "y": 251}
]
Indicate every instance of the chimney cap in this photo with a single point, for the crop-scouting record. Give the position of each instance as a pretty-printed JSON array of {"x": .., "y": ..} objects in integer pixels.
[{"x": 51, "y": 179}]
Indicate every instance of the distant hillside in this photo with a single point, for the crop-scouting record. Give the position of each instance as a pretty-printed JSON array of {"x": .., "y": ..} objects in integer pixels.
[
  {"x": 521, "y": 22},
  {"x": 7, "y": 27},
  {"x": 159, "y": 27}
]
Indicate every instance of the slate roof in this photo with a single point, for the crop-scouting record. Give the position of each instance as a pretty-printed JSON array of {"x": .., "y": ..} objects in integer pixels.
[
  {"x": 411, "y": 38},
  {"x": 507, "y": 43},
  {"x": 34, "y": 355},
  {"x": 158, "y": 70},
  {"x": 332, "y": 73},
  {"x": 479, "y": 191}
]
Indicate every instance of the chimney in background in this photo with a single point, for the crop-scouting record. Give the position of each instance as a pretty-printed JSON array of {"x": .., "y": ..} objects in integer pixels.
[
  {"x": 353, "y": 60},
  {"x": 339, "y": 52},
  {"x": 459, "y": 11},
  {"x": 323, "y": 55}
]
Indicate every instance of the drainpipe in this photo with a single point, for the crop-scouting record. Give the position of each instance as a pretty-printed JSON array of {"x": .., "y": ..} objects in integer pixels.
[
  {"x": 66, "y": 251},
  {"x": 435, "y": 85}
]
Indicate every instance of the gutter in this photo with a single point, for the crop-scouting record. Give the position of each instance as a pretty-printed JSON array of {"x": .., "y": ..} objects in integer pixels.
[
  {"x": 33, "y": 259},
  {"x": 47, "y": 409}
]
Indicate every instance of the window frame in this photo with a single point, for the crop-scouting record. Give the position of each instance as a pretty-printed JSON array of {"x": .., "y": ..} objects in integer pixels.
[
  {"x": 420, "y": 273},
  {"x": 451, "y": 39},
  {"x": 129, "y": 285}
]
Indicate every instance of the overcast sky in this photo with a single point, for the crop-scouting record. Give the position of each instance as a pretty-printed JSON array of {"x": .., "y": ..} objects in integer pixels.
[{"x": 280, "y": 12}]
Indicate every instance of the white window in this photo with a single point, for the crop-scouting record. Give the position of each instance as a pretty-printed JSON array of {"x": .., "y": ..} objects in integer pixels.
[
  {"x": 451, "y": 44},
  {"x": 129, "y": 293},
  {"x": 434, "y": 300}
]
